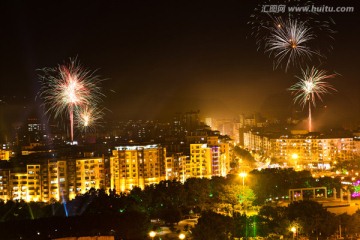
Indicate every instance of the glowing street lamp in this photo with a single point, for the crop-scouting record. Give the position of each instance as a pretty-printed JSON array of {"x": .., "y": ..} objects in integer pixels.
[
  {"x": 293, "y": 230},
  {"x": 243, "y": 175},
  {"x": 181, "y": 236},
  {"x": 295, "y": 157},
  {"x": 152, "y": 234}
]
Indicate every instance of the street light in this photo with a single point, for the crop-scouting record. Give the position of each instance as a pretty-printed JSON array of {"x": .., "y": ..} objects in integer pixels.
[
  {"x": 293, "y": 230},
  {"x": 295, "y": 157},
  {"x": 243, "y": 175},
  {"x": 181, "y": 236},
  {"x": 152, "y": 234}
]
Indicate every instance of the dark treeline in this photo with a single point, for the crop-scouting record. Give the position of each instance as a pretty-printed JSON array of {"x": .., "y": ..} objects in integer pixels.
[
  {"x": 127, "y": 216},
  {"x": 129, "y": 225},
  {"x": 275, "y": 183},
  {"x": 309, "y": 219}
]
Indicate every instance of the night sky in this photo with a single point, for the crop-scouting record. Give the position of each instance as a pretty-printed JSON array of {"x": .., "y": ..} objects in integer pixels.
[{"x": 161, "y": 57}]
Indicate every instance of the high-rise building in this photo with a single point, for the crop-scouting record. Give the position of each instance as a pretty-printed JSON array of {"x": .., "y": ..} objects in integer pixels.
[
  {"x": 90, "y": 173},
  {"x": 176, "y": 167},
  {"x": 33, "y": 182},
  {"x": 210, "y": 159},
  {"x": 137, "y": 166},
  {"x": 18, "y": 186},
  {"x": 201, "y": 160},
  {"x": 54, "y": 181}
]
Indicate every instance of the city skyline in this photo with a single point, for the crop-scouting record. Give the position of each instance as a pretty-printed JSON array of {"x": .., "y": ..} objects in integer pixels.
[
  {"x": 179, "y": 120},
  {"x": 180, "y": 56}
]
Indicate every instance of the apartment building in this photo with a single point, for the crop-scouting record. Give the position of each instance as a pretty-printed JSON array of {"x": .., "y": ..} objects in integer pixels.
[
  {"x": 138, "y": 165},
  {"x": 52, "y": 180},
  {"x": 33, "y": 184},
  {"x": 62, "y": 179},
  {"x": 90, "y": 173},
  {"x": 201, "y": 159},
  {"x": 301, "y": 147}
]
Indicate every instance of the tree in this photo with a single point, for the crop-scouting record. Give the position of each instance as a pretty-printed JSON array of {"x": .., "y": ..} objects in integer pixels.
[
  {"x": 315, "y": 220},
  {"x": 276, "y": 218},
  {"x": 133, "y": 225},
  {"x": 159, "y": 197},
  {"x": 198, "y": 192},
  {"x": 244, "y": 155},
  {"x": 213, "y": 226},
  {"x": 237, "y": 195},
  {"x": 330, "y": 183},
  {"x": 171, "y": 215},
  {"x": 353, "y": 223},
  {"x": 240, "y": 225},
  {"x": 275, "y": 183}
]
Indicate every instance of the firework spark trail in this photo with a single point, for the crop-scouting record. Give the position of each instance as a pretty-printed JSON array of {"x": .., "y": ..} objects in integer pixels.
[
  {"x": 311, "y": 86},
  {"x": 67, "y": 88},
  {"x": 289, "y": 42},
  {"x": 88, "y": 116}
]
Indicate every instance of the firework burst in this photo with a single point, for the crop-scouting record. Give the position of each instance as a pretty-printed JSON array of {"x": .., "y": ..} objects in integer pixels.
[
  {"x": 312, "y": 85},
  {"x": 276, "y": 32},
  {"x": 289, "y": 43},
  {"x": 88, "y": 117},
  {"x": 67, "y": 88}
]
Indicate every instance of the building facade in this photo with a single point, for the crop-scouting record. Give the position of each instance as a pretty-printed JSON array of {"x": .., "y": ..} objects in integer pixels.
[
  {"x": 62, "y": 179},
  {"x": 137, "y": 166},
  {"x": 5, "y": 186},
  {"x": 302, "y": 148},
  {"x": 52, "y": 180}
]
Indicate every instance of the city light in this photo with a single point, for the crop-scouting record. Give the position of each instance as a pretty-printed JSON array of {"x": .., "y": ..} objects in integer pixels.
[
  {"x": 243, "y": 176},
  {"x": 181, "y": 236},
  {"x": 295, "y": 156},
  {"x": 293, "y": 230},
  {"x": 152, "y": 234}
]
